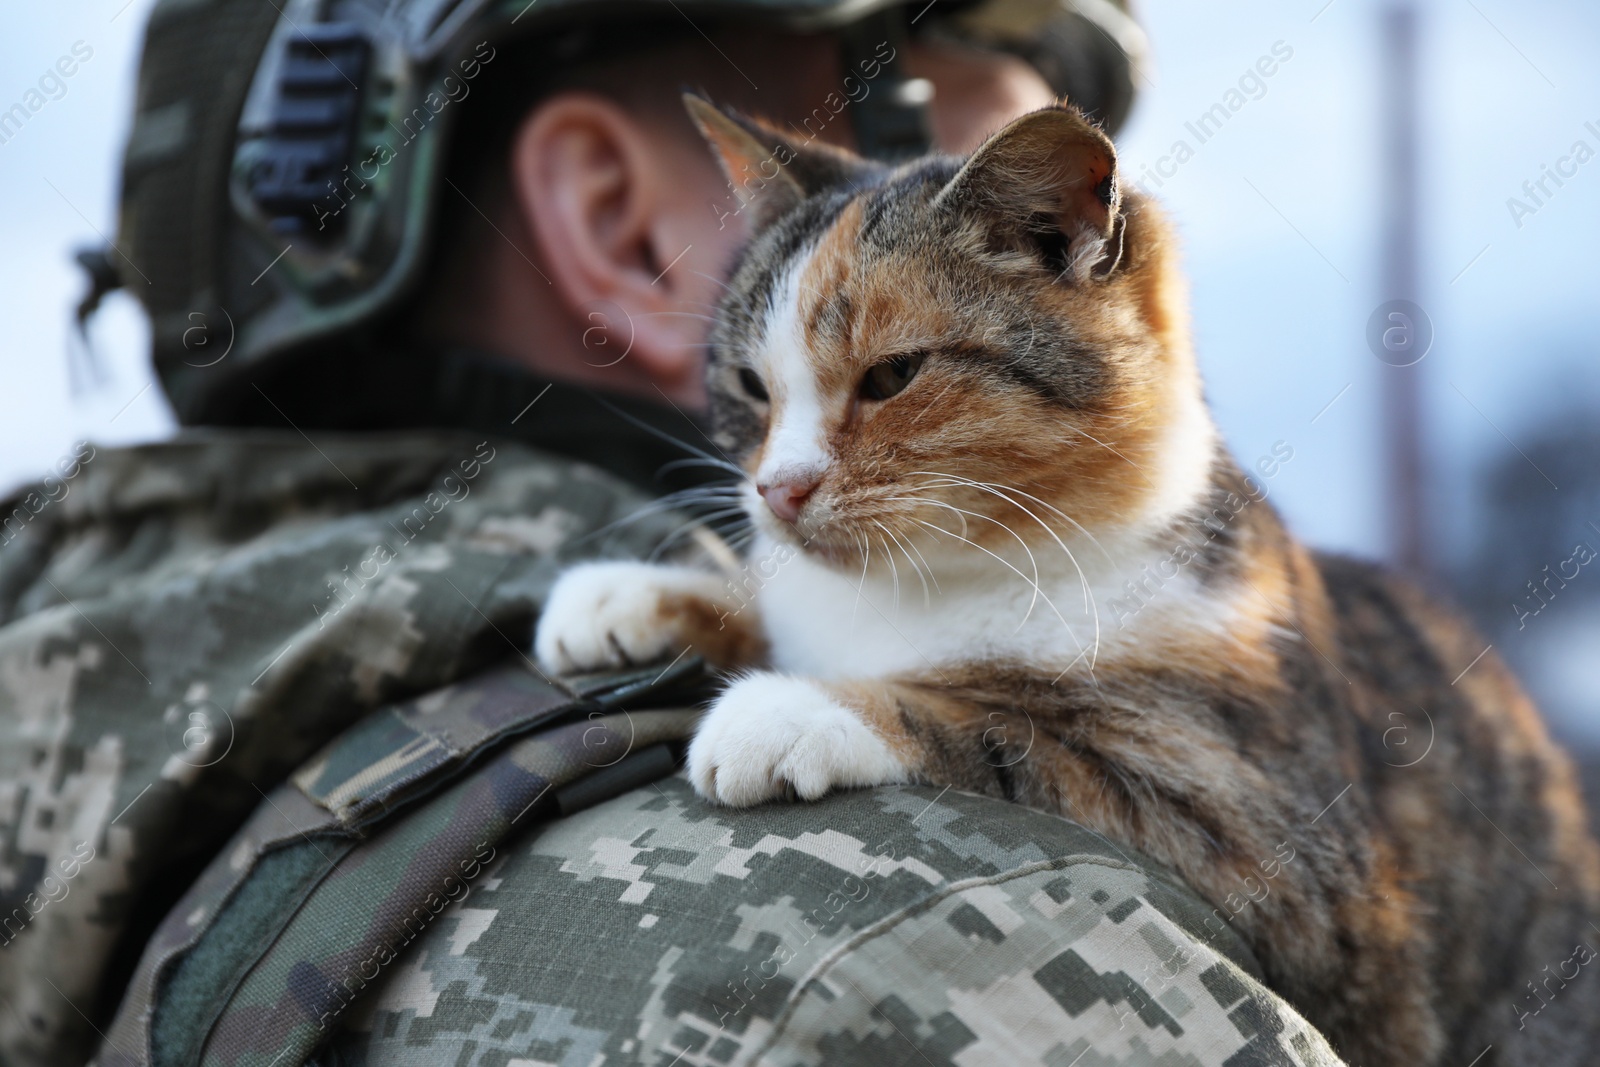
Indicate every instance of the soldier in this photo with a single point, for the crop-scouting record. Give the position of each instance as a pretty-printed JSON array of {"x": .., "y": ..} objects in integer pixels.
[{"x": 278, "y": 781}]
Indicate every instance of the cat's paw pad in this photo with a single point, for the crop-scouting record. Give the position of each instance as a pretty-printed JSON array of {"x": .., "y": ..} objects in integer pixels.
[
  {"x": 605, "y": 615},
  {"x": 769, "y": 735}
]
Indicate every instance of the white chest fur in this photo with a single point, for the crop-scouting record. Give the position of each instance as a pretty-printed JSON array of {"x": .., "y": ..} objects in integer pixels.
[{"x": 826, "y": 624}]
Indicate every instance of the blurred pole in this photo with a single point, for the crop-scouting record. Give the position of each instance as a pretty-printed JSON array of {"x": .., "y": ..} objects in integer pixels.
[{"x": 1402, "y": 400}]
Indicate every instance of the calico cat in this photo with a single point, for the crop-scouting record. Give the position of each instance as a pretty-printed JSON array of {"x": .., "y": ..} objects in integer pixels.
[{"x": 999, "y": 545}]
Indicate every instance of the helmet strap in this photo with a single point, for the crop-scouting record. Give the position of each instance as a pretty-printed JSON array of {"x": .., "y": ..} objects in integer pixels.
[{"x": 891, "y": 120}]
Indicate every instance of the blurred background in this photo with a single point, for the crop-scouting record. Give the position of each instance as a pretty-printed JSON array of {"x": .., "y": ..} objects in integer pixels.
[{"x": 1443, "y": 152}]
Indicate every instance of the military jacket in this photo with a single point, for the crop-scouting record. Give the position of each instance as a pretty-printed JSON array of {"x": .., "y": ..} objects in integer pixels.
[{"x": 279, "y": 784}]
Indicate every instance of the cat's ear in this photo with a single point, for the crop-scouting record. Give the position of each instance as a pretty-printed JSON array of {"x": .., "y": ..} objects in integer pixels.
[
  {"x": 770, "y": 173},
  {"x": 1049, "y": 175}
]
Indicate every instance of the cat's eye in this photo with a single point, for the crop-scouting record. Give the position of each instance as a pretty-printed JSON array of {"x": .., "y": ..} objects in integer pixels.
[
  {"x": 752, "y": 383},
  {"x": 891, "y": 376}
]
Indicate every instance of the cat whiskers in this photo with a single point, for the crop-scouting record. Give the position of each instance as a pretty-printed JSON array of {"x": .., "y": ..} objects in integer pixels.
[
  {"x": 702, "y": 521},
  {"x": 1034, "y": 583},
  {"x": 708, "y": 461},
  {"x": 743, "y": 305},
  {"x": 703, "y": 506},
  {"x": 693, "y": 450},
  {"x": 719, "y": 281},
  {"x": 725, "y": 496},
  {"x": 677, "y": 314},
  {"x": 866, "y": 558},
  {"x": 710, "y": 494},
  {"x": 927, "y": 601},
  {"x": 894, "y": 571},
  {"x": 1142, "y": 477},
  {"x": 912, "y": 545},
  {"x": 1004, "y": 493}
]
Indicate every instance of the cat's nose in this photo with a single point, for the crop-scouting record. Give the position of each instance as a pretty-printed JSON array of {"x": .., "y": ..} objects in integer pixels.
[{"x": 787, "y": 497}]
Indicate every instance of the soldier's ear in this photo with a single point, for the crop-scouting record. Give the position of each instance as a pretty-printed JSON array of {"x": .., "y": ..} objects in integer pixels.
[
  {"x": 612, "y": 227},
  {"x": 770, "y": 172}
]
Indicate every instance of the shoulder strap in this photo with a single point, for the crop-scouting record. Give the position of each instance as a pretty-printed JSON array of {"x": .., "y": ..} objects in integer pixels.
[{"x": 346, "y": 863}]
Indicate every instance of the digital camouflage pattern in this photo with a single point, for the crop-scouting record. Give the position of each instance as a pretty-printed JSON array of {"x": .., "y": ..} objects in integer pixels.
[
  {"x": 317, "y": 650},
  {"x": 893, "y": 926},
  {"x": 259, "y": 962},
  {"x": 192, "y": 620}
]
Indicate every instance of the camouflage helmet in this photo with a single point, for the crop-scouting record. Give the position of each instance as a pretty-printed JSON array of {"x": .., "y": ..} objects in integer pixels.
[{"x": 285, "y": 167}]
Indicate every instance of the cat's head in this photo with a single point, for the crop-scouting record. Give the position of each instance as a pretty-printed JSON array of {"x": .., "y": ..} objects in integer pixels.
[{"x": 995, "y": 347}]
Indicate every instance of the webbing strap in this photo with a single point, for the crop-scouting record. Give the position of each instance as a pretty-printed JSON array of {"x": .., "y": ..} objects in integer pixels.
[{"x": 891, "y": 120}]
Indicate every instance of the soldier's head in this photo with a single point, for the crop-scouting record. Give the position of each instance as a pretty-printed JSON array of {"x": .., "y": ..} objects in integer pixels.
[
  {"x": 519, "y": 178},
  {"x": 606, "y": 226}
]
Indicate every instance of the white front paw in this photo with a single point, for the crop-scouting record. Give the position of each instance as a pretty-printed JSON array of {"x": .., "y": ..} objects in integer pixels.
[
  {"x": 603, "y": 615},
  {"x": 768, "y": 733}
]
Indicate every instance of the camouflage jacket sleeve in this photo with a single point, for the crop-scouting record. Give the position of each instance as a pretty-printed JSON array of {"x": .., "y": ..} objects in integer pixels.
[
  {"x": 420, "y": 907},
  {"x": 183, "y": 624},
  {"x": 893, "y": 926}
]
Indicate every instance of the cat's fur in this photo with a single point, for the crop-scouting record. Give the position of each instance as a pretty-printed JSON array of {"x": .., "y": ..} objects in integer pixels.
[{"x": 952, "y": 602}]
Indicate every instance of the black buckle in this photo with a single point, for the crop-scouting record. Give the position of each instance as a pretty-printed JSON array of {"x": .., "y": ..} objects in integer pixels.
[{"x": 312, "y": 129}]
